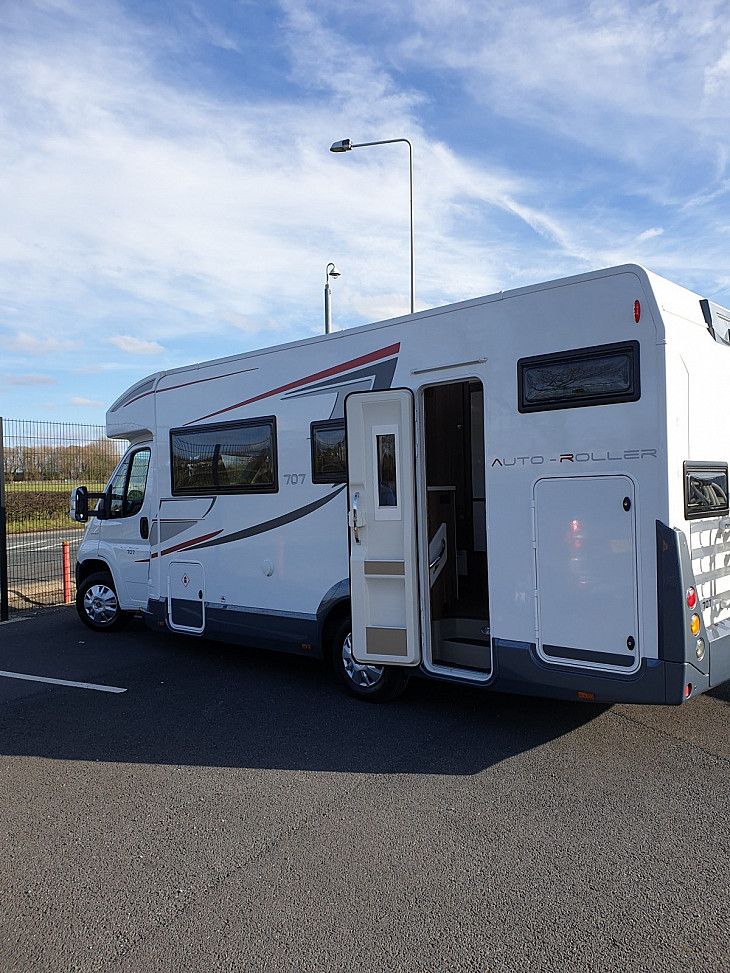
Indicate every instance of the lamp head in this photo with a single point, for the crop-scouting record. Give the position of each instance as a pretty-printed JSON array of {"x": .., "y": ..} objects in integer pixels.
[
  {"x": 343, "y": 146},
  {"x": 332, "y": 272}
]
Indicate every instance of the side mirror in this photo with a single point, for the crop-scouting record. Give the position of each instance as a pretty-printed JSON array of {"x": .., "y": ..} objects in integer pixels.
[{"x": 80, "y": 505}]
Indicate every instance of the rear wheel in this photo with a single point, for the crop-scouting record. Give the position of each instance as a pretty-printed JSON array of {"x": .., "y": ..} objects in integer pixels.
[
  {"x": 377, "y": 684},
  {"x": 97, "y": 603}
]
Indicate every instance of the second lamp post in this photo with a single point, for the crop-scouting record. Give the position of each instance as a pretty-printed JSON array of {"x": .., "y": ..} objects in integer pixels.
[{"x": 345, "y": 146}]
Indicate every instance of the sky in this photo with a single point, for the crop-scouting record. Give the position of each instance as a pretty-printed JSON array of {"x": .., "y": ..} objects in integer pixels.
[{"x": 167, "y": 195}]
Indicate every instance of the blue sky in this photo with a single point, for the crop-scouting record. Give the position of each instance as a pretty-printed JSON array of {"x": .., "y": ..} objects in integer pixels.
[{"x": 167, "y": 194}]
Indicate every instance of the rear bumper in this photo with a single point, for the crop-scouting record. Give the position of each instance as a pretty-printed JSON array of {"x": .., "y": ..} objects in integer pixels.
[
  {"x": 719, "y": 654},
  {"x": 674, "y": 677},
  {"x": 519, "y": 669}
]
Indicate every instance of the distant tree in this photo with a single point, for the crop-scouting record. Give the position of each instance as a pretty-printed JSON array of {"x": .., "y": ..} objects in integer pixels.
[
  {"x": 91, "y": 462},
  {"x": 13, "y": 463}
]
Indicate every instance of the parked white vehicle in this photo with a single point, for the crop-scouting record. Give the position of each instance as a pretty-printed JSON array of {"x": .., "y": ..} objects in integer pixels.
[{"x": 526, "y": 492}]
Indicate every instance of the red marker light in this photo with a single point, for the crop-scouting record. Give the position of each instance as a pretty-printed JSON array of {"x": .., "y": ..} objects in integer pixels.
[
  {"x": 691, "y": 598},
  {"x": 637, "y": 311},
  {"x": 688, "y": 690}
]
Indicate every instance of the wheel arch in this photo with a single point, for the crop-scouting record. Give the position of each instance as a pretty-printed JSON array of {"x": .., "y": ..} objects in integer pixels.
[
  {"x": 333, "y": 609},
  {"x": 85, "y": 569}
]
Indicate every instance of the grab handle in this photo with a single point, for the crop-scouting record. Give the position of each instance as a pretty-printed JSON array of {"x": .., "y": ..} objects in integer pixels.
[
  {"x": 434, "y": 564},
  {"x": 355, "y": 525}
]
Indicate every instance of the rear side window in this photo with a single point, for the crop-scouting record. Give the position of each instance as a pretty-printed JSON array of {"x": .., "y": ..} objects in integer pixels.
[
  {"x": 705, "y": 490},
  {"x": 600, "y": 375},
  {"x": 329, "y": 452},
  {"x": 235, "y": 457}
]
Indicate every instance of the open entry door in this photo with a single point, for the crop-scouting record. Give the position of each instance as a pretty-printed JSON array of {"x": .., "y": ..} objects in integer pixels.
[{"x": 382, "y": 518}]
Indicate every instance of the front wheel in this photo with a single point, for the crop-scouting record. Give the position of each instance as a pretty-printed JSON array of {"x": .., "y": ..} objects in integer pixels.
[
  {"x": 377, "y": 684},
  {"x": 97, "y": 603}
]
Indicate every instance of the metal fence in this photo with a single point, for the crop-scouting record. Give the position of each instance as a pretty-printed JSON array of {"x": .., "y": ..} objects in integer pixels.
[{"x": 40, "y": 463}]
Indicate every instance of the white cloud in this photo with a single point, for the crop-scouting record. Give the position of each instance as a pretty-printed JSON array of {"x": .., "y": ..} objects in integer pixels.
[
  {"x": 169, "y": 201},
  {"x": 29, "y": 380},
  {"x": 135, "y": 346},
  {"x": 213, "y": 33},
  {"x": 650, "y": 233},
  {"x": 251, "y": 324},
  {"x": 77, "y": 400},
  {"x": 644, "y": 84},
  {"x": 30, "y": 344},
  {"x": 717, "y": 77}
]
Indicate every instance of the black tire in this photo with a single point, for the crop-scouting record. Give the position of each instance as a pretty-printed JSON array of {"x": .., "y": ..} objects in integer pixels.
[
  {"x": 376, "y": 684},
  {"x": 97, "y": 604}
]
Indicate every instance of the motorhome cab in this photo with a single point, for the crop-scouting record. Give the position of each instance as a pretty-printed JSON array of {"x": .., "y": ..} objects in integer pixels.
[{"x": 526, "y": 492}]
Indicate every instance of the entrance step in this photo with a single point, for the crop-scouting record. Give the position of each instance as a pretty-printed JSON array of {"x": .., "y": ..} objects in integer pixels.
[
  {"x": 474, "y": 629},
  {"x": 465, "y": 653}
]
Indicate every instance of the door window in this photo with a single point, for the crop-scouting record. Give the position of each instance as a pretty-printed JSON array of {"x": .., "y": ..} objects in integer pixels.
[
  {"x": 128, "y": 484},
  {"x": 387, "y": 485},
  {"x": 385, "y": 467}
]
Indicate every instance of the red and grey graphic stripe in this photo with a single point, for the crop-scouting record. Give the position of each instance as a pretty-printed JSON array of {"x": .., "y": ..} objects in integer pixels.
[
  {"x": 371, "y": 357},
  {"x": 267, "y": 525},
  {"x": 186, "y": 544},
  {"x": 213, "y": 539}
]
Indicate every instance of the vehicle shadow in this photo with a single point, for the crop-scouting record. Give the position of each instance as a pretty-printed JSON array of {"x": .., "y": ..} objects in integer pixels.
[
  {"x": 204, "y": 704},
  {"x": 721, "y": 692}
]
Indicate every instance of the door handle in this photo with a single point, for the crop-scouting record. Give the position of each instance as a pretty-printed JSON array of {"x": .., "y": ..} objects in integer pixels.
[
  {"x": 144, "y": 528},
  {"x": 355, "y": 525}
]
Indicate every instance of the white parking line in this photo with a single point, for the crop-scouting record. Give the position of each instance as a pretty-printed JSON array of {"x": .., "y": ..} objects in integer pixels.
[{"x": 62, "y": 682}]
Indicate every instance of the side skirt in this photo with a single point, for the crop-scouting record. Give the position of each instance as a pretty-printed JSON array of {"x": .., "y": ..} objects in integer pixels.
[{"x": 276, "y": 631}]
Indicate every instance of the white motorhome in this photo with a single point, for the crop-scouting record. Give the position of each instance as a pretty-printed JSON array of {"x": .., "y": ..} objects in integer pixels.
[{"x": 526, "y": 492}]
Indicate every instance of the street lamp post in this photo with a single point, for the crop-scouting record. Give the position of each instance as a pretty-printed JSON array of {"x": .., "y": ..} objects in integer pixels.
[
  {"x": 334, "y": 273},
  {"x": 345, "y": 145}
]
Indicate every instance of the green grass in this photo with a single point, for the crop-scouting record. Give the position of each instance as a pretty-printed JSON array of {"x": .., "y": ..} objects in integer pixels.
[
  {"x": 49, "y": 486},
  {"x": 39, "y": 525},
  {"x": 39, "y": 506}
]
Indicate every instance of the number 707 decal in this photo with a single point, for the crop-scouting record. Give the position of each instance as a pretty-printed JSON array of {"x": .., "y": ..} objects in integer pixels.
[{"x": 295, "y": 479}]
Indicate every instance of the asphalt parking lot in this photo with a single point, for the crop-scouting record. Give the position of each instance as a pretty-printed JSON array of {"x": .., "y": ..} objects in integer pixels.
[{"x": 169, "y": 804}]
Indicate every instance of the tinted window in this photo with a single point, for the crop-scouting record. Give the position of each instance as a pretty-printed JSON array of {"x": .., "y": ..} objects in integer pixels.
[
  {"x": 137, "y": 482},
  {"x": 329, "y": 452},
  {"x": 230, "y": 458},
  {"x": 128, "y": 484},
  {"x": 584, "y": 376},
  {"x": 387, "y": 485},
  {"x": 705, "y": 490}
]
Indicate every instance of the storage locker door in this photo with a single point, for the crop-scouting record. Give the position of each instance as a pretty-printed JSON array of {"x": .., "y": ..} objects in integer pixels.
[{"x": 586, "y": 566}]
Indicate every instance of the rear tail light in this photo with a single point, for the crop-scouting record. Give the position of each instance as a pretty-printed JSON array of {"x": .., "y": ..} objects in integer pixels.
[{"x": 691, "y": 597}]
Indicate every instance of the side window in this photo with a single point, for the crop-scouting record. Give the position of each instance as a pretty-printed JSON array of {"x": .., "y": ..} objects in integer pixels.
[
  {"x": 128, "y": 484},
  {"x": 329, "y": 452},
  {"x": 116, "y": 489},
  {"x": 137, "y": 482},
  {"x": 705, "y": 490},
  {"x": 236, "y": 457},
  {"x": 601, "y": 375}
]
